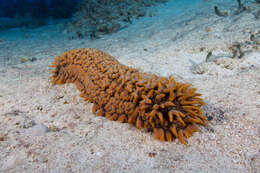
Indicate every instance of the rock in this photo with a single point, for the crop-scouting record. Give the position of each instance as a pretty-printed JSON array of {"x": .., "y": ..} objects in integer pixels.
[
  {"x": 114, "y": 27},
  {"x": 33, "y": 59},
  {"x": 109, "y": 28},
  {"x": 37, "y": 130},
  {"x": 2, "y": 138},
  {"x": 255, "y": 163},
  {"x": 53, "y": 128},
  {"x": 24, "y": 59}
]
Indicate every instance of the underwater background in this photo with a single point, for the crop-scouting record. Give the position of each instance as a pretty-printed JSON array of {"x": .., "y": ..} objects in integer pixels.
[{"x": 214, "y": 45}]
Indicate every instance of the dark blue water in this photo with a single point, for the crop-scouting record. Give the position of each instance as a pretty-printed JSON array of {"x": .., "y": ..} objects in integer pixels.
[{"x": 38, "y": 8}]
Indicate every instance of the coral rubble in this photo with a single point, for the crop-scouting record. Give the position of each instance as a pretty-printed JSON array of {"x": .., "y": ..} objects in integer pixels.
[
  {"x": 219, "y": 13},
  {"x": 95, "y": 17},
  {"x": 168, "y": 108}
]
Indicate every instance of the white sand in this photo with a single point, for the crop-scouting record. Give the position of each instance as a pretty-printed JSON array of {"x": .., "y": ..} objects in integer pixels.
[{"x": 176, "y": 40}]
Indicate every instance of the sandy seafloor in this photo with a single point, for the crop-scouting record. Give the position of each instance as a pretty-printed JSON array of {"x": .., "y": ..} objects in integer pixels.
[{"x": 173, "y": 42}]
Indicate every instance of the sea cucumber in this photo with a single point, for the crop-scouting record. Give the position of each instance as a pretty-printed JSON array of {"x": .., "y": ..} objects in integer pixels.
[{"x": 160, "y": 104}]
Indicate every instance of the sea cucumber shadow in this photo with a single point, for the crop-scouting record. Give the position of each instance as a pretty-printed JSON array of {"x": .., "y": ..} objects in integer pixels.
[{"x": 215, "y": 115}]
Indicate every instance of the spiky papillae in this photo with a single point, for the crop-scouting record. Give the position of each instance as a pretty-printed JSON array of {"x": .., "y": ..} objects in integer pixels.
[{"x": 168, "y": 108}]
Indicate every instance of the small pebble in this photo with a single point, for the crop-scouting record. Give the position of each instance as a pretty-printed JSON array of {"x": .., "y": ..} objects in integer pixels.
[
  {"x": 76, "y": 117},
  {"x": 27, "y": 123},
  {"x": 24, "y": 59},
  {"x": 71, "y": 125},
  {"x": 255, "y": 163},
  {"x": 40, "y": 108},
  {"x": 37, "y": 130},
  {"x": 53, "y": 128},
  {"x": 53, "y": 115},
  {"x": 2, "y": 138},
  {"x": 151, "y": 154},
  {"x": 33, "y": 59}
]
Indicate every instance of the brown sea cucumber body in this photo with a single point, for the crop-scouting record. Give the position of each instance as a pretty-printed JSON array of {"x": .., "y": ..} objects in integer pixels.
[{"x": 168, "y": 108}]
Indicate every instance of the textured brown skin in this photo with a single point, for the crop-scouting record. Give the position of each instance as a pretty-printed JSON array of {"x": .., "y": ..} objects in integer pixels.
[{"x": 168, "y": 108}]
